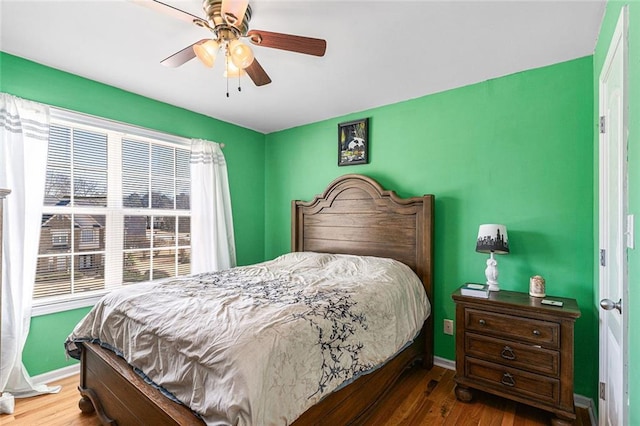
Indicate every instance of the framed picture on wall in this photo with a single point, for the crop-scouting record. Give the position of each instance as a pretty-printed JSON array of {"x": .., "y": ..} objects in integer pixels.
[{"x": 353, "y": 142}]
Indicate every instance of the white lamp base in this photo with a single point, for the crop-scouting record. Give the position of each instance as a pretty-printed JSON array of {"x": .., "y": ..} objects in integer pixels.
[
  {"x": 492, "y": 274},
  {"x": 494, "y": 287}
]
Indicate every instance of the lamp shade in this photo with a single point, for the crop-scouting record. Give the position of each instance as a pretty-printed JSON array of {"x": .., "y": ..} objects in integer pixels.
[
  {"x": 232, "y": 70},
  {"x": 241, "y": 54},
  {"x": 207, "y": 52},
  {"x": 492, "y": 238}
]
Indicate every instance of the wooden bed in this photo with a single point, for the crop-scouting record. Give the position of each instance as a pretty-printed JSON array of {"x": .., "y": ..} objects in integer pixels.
[{"x": 354, "y": 215}]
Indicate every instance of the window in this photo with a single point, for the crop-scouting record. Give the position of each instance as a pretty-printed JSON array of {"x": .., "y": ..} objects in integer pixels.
[
  {"x": 116, "y": 210},
  {"x": 59, "y": 238},
  {"x": 90, "y": 238}
]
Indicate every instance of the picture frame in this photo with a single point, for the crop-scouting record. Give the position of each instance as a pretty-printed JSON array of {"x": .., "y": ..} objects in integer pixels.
[{"x": 353, "y": 142}]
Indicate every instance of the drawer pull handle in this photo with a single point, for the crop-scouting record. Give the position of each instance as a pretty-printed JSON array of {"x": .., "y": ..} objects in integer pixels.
[
  {"x": 507, "y": 380},
  {"x": 482, "y": 322},
  {"x": 536, "y": 333},
  {"x": 507, "y": 353}
]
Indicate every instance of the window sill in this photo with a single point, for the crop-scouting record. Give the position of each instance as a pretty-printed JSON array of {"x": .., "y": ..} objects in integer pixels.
[{"x": 55, "y": 306}]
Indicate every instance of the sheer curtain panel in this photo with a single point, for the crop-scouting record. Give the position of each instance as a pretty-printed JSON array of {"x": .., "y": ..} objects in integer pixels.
[
  {"x": 24, "y": 134},
  {"x": 212, "y": 238}
]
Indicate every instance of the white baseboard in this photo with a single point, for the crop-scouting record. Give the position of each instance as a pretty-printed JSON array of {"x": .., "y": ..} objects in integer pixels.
[
  {"x": 580, "y": 400},
  {"x": 584, "y": 402},
  {"x": 55, "y": 375},
  {"x": 444, "y": 363}
]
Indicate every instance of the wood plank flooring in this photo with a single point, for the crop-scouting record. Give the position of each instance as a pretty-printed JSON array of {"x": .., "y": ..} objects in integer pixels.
[{"x": 421, "y": 397}]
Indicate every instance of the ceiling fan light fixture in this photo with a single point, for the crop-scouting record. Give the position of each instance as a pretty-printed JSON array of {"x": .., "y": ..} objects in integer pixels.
[
  {"x": 207, "y": 52},
  {"x": 241, "y": 54}
]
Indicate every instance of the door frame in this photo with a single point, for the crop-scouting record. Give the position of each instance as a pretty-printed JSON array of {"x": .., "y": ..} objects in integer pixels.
[{"x": 620, "y": 36}]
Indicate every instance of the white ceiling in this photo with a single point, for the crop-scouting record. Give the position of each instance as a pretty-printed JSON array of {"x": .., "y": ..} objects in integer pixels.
[{"x": 378, "y": 52}]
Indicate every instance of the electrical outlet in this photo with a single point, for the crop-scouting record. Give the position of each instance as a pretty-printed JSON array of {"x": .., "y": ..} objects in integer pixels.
[{"x": 448, "y": 327}]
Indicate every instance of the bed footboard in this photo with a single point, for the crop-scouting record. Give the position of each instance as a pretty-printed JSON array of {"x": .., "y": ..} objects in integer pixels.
[
  {"x": 119, "y": 396},
  {"x": 109, "y": 386}
]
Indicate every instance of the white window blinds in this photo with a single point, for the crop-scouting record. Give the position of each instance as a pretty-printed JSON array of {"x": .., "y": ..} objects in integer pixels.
[{"x": 116, "y": 210}]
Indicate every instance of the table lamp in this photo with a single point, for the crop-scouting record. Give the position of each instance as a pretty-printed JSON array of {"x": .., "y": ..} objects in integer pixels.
[{"x": 492, "y": 238}]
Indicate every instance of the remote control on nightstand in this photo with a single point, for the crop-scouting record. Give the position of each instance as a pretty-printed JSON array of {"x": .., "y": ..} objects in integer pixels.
[{"x": 551, "y": 302}]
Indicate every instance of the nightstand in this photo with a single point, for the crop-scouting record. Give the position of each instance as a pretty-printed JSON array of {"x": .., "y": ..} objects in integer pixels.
[{"x": 513, "y": 346}]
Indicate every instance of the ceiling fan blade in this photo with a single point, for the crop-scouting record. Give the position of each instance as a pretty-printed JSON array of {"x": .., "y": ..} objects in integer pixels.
[
  {"x": 292, "y": 43},
  {"x": 167, "y": 9},
  {"x": 233, "y": 11},
  {"x": 257, "y": 74},
  {"x": 182, "y": 56}
]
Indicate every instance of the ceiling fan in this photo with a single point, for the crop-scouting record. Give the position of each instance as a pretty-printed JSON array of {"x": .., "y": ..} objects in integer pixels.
[{"x": 228, "y": 20}]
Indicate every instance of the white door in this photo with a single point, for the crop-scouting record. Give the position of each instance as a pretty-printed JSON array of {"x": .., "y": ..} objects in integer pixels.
[{"x": 613, "y": 224}]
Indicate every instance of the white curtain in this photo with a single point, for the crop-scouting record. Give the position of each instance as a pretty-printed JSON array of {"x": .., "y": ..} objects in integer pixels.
[
  {"x": 212, "y": 241},
  {"x": 24, "y": 135}
]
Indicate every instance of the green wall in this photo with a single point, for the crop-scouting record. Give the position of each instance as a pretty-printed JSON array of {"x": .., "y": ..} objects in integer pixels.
[
  {"x": 244, "y": 152},
  {"x": 44, "y": 349},
  {"x": 633, "y": 158},
  {"x": 515, "y": 150}
]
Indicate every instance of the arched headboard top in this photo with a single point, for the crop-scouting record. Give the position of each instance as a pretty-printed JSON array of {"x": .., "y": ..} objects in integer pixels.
[
  {"x": 355, "y": 215},
  {"x": 350, "y": 187}
]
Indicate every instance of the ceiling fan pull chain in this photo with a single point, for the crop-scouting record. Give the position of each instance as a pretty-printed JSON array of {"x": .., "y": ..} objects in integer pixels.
[
  {"x": 226, "y": 67},
  {"x": 239, "y": 88}
]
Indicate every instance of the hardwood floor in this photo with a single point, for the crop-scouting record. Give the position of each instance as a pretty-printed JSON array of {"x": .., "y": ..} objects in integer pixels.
[{"x": 420, "y": 398}]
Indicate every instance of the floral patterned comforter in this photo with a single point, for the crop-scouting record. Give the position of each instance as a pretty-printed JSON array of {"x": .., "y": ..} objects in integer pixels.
[{"x": 260, "y": 344}]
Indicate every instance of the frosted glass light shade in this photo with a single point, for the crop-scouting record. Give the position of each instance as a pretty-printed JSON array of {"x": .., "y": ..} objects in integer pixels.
[
  {"x": 241, "y": 54},
  {"x": 207, "y": 52},
  {"x": 233, "y": 71}
]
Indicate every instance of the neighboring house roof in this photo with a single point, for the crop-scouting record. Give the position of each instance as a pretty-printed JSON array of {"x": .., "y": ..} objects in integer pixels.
[{"x": 80, "y": 221}]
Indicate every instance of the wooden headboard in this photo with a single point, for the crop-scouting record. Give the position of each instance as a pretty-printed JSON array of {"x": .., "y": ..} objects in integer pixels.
[{"x": 355, "y": 215}]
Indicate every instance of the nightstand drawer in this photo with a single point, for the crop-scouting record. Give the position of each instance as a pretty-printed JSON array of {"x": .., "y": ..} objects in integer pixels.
[
  {"x": 509, "y": 326},
  {"x": 513, "y": 354},
  {"x": 514, "y": 381}
]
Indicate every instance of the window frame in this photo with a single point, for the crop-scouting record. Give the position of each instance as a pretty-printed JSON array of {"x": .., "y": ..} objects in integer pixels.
[{"x": 113, "y": 129}]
